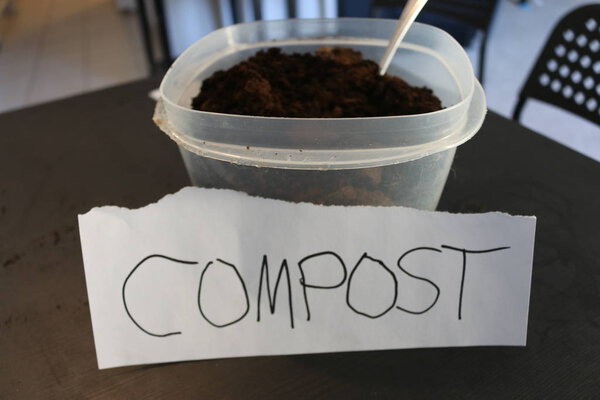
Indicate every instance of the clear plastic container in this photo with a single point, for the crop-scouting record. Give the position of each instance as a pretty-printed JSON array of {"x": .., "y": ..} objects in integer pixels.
[{"x": 400, "y": 160}]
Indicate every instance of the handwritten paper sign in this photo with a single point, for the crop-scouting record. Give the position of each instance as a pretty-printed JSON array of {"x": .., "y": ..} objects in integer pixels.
[{"x": 214, "y": 273}]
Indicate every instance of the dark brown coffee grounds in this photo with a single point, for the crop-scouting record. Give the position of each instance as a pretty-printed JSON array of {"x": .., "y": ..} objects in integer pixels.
[{"x": 333, "y": 83}]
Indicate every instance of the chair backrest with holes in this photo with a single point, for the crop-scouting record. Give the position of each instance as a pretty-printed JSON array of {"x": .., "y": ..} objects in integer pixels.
[{"x": 567, "y": 72}]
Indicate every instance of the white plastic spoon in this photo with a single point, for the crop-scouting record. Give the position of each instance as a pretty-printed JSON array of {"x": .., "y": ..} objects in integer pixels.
[{"x": 408, "y": 16}]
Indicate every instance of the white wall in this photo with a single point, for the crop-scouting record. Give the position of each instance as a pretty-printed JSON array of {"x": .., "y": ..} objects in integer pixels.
[{"x": 189, "y": 20}]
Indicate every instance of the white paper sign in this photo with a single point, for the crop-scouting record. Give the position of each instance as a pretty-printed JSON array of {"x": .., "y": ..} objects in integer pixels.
[{"x": 214, "y": 273}]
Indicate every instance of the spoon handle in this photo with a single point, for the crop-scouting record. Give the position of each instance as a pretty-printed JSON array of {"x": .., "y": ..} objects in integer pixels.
[{"x": 408, "y": 16}]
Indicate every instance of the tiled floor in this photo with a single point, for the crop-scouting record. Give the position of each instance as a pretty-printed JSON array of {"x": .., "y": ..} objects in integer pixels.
[{"x": 57, "y": 48}]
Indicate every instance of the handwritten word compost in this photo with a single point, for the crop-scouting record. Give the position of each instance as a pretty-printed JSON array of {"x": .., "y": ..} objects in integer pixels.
[{"x": 347, "y": 281}]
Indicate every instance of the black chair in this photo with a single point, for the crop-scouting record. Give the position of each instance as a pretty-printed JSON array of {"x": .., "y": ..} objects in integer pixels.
[
  {"x": 163, "y": 47},
  {"x": 567, "y": 72},
  {"x": 475, "y": 13}
]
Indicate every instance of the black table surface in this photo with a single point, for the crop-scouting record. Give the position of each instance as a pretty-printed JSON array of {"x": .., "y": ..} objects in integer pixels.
[{"x": 65, "y": 157}]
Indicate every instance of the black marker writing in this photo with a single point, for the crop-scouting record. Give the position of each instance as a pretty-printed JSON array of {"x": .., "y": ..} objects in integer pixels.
[
  {"x": 437, "y": 289},
  {"x": 307, "y": 285},
  {"x": 125, "y": 285},
  {"x": 315, "y": 270},
  {"x": 226, "y": 264},
  {"x": 264, "y": 271},
  {"x": 464, "y": 268},
  {"x": 380, "y": 263}
]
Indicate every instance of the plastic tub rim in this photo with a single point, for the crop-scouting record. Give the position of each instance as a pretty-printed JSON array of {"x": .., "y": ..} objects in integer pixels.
[
  {"x": 476, "y": 112},
  {"x": 240, "y": 117}
]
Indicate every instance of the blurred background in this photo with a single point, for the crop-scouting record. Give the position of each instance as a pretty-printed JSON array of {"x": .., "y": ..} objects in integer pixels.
[{"x": 51, "y": 49}]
